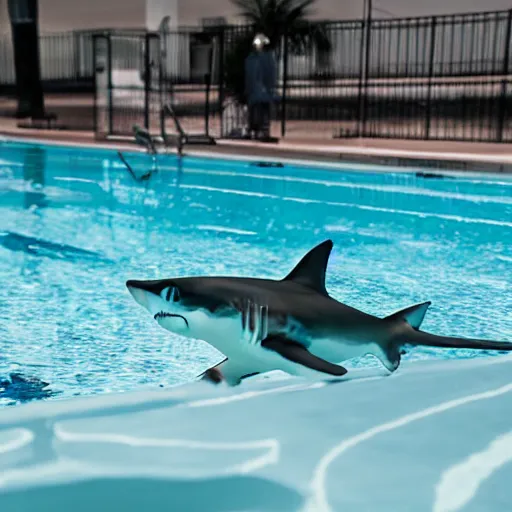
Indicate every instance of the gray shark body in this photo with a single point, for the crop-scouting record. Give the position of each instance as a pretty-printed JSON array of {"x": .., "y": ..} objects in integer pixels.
[{"x": 291, "y": 324}]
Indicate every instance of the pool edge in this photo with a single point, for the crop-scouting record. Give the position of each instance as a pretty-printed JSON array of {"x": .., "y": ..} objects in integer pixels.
[{"x": 336, "y": 157}]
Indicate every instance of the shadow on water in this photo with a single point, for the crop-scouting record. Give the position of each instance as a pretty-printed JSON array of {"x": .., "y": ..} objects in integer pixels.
[
  {"x": 221, "y": 494},
  {"x": 178, "y": 190},
  {"x": 37, "y": 247},
  {"x": 24, "y": 389}
]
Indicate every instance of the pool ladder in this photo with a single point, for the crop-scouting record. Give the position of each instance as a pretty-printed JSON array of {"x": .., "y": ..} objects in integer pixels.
[{"x": 182, "y": 137}]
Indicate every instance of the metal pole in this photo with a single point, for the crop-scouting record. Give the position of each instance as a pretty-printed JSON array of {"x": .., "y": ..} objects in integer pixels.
[
  {"x": 504, "y": 83},
  {"x": 285, "y": 83},
  {"x": 221, "y": 80},
  {"x": 161, "y": 56},
  {"x": 110, "y": 102},
  {"x": 430, "y": 75},
  {"x": 208, "y": 80},
  {"x": 361, "y": 76},
  {"x": 95, "y": 105},
  {"x": 147, "y": 81},
  {"x": 366, "y": 65},
  {"x": 76, "y": 54}
]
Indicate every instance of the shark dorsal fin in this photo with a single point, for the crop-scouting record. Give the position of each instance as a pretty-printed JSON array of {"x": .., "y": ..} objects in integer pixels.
[{"x": 310, "y": 271}]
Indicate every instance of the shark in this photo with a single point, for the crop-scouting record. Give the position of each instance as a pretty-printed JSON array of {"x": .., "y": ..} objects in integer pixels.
[{"x": 291, "y": 324}]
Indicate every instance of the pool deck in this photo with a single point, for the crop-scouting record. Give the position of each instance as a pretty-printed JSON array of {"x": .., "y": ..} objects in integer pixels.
[{"x": 406, "y": 154}]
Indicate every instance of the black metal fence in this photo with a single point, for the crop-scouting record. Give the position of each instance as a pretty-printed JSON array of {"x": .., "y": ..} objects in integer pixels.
[
  {"x": 438, "y": 77},
  {"x": 66, "y": 62},
  {"x": 67, "y": 74}
]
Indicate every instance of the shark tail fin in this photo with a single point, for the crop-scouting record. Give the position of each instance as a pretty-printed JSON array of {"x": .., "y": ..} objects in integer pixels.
[
  {"x": 433, "y": 340},
  {"x": 408, "y": 319},
  {"x": 408, "y": 332}
]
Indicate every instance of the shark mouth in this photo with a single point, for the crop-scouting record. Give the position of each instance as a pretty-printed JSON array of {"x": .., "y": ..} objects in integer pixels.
[{"x": 163, "y": 314}]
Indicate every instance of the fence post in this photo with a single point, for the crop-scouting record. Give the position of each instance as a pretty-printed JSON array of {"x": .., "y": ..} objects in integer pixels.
[
  {"x": 504, "y": 82},
  {"x": 285, "y": 83},
  {"x": 428, "y": 110},
  {"x": 162, "y": 67},
  {"x": 207, "y": 83},
  {"x": 360, "y": 84},
  {"x": 110, "y": 87},
  {"x": 220, "y": 94},
  {"x": 95, "y": 86},
  {"x": 147, "y": 80},
  {"x": 76, "y": 54},
  {"x": 366, "y": 67}
]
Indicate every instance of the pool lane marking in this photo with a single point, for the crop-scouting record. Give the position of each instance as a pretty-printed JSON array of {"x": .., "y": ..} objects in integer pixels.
[
  {"x": 459, "y": 483},
  {"x": 250, "y": 394},
  {"x": 24, "y": 438},
  {"x": 389, "y": 188},
  {"x": 318, "y": 501},
  {"x": 270, "y": 456},
  {"x": 469, "y": 220}
]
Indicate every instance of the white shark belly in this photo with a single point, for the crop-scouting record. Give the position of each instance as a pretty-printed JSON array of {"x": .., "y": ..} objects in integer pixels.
[
  {"x": 227, "y": 336},
  {"x": 339, "y": 350}
]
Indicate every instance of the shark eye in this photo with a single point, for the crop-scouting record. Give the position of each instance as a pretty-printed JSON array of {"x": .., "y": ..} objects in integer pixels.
[{"x": 171, "y": 293}]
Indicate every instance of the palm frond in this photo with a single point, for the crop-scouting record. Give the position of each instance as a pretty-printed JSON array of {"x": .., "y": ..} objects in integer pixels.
[
  {"x": 271, "y": 15},
  {"x": 278, "y": 19},
  {"x": 251, "y": 10}
]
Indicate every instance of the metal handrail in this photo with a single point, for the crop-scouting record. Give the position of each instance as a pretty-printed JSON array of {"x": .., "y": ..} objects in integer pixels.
[{"x": 182, "y": 136}]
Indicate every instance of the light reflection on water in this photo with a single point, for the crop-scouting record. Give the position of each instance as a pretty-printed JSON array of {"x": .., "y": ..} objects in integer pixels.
[{"x": 75, "y": 226}]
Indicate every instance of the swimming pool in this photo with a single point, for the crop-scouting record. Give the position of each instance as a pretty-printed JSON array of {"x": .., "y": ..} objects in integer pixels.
[{"x": 75, "y": 226}]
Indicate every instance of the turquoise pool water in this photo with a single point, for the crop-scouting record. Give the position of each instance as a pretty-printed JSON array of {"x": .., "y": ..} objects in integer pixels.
[{"x": 74, "y": 226}]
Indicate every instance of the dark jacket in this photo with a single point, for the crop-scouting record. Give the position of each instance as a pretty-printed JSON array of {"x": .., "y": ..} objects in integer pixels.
[{"x": 260, "y": 77}]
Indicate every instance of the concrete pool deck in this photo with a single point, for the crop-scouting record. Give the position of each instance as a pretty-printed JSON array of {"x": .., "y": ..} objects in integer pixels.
[{"x": 441, "y": 155}]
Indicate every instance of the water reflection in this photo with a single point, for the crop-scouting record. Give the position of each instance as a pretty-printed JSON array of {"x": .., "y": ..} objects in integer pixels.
[
  {"x": 38, "y": 247},
  {"x": 21, "y": 389},
  {"x": 34, "y": 165}
]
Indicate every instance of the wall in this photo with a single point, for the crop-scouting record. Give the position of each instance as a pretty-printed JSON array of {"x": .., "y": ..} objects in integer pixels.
[
  {"x": 62, "y": 15},
  {"x": 191, "y": 11},
  {"x": 405, "y": 8},
  {"x": 4, "y": 17},
  {"x": 156, "y": 10}
]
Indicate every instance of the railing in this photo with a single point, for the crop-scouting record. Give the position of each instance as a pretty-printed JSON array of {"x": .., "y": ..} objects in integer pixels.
[
  {"x": 445, "y": 77},
  {"x": 66, "y": 61},
  {"x": 464, "y": 45}
]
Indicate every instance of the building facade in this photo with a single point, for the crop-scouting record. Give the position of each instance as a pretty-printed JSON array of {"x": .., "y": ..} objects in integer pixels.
[{"x": 64, "y": 15}]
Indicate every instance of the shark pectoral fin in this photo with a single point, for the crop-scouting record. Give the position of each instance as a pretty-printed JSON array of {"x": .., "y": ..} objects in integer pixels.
[
  {"x": 213, "y": 374},
  {"x": 299, "y": 354},
  {"x": 390, "y": 356},
  {"x": 228, "y": 371}
]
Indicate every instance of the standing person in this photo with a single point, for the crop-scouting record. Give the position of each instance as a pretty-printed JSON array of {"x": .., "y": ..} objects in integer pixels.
[{"x": 260, "y": 85}]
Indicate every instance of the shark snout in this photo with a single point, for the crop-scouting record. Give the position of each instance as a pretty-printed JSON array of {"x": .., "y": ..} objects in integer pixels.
[
  {"x": 141, "y": 285},
  {"x": 140, "y": 292}
]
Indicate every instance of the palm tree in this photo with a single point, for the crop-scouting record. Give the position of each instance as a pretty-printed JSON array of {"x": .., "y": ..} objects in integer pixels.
[
  {"x": 25, "y": 37},
  {"x": 282, "y": 21},
  {"x": 279, "y": 18}
]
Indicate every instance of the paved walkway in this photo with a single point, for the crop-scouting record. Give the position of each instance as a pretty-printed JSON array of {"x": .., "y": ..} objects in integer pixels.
[{"x": 446, "y": 155}]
